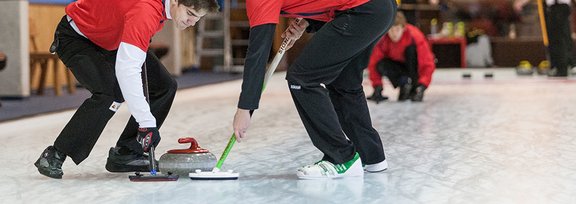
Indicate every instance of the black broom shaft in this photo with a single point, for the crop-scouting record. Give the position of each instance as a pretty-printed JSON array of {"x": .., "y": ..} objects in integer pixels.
[{"x": 151, "y": 156}]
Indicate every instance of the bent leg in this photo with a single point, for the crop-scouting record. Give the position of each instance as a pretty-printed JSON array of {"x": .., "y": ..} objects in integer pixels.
[
  {"x": 347, "y": 95},
  {"x": 82, "y": 131}
]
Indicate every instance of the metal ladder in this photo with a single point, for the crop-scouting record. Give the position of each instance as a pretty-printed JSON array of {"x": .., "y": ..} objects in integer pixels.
[{"x": 230, "y": 64}]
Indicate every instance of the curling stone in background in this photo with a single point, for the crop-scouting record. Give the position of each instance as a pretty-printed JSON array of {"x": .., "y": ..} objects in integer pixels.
[
  {"x": 543, "y": 67},
  {"x": 524, "y": 68},
  {"x": 184, "y": 161}
]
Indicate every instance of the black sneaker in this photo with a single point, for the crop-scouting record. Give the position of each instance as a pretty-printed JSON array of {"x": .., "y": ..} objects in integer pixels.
[
  {"x": 130, "y": 162},
  {"x": 50, "y": 163},
  {"x": 405, "y": 91},
  {"x": 418, "y": 94}
]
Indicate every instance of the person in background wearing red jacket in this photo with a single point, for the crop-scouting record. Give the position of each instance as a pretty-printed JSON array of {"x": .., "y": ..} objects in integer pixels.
[
  {"x": 105, "y": 44},
  {"x": 405, "y": 57},
  {"x": 325, "y": 80}
]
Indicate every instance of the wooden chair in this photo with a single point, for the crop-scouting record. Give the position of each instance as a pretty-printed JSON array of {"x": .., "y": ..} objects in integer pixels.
[
  {"x": 39, "y": 65},
  {"x": 2, "y": 61}
]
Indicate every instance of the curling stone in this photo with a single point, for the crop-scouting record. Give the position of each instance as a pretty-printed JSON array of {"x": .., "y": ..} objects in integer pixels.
[
  {"x": 543, "y": 67},
  {"x": 184, "y": 161},
  {"x": 524, "y": 68}
]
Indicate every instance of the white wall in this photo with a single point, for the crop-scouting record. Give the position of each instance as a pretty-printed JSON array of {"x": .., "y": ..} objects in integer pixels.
[{"x": 14, "y": 79}]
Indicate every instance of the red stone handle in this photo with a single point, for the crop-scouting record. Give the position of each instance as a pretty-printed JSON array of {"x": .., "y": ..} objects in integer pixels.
[{"x": 194, "y": 147}]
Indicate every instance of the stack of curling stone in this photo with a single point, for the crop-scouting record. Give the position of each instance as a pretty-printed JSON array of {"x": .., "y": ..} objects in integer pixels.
[
  {"x": 184, "y": 161},
  {"x": 524, "y": 68},
  {"x": 543, "y": 67}
]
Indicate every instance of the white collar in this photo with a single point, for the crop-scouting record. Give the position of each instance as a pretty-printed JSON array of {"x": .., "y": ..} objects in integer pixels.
[{"x": 167, "y": 8}]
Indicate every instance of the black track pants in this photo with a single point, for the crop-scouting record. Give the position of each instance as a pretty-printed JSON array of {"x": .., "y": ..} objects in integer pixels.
[
  {"x": 560, "y": 47},
  {"x": 397, "y": 72},
  {"x": 93, "y": 67},
  {"x": 326, "y": 83}
]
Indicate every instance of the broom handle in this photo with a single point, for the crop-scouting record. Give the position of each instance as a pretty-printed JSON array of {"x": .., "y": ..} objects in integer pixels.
[
  {"x": 542, "y": 22},
  {"x": 151, "y": 157},
  {"x": 267, "y": 76}
]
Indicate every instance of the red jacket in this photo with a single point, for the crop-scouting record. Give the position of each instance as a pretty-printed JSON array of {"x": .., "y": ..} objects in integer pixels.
[
  {"x": 386, "y": 49},
  {"x": 269, "y": 11},
  {"x": 107, "y": 23}
]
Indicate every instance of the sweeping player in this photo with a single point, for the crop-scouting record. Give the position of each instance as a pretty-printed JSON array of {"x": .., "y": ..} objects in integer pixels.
[
  {"x": 105, "y": 43},
  {"x": 558, "y": 20},
  {"x": 404, "y": 56},
  {"x": 325, "y": 80}
]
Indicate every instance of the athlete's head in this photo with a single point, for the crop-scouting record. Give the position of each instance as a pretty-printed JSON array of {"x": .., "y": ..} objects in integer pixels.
[
  {"x": 186, "y": 13},
  {"x": 396, "y": 31}
]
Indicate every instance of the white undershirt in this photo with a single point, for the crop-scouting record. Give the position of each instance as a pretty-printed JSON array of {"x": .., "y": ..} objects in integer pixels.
[
  {"x": 73, "y": 25},
  {"x": 167, "y": 10},
  {"x": 129, "y": 61}
]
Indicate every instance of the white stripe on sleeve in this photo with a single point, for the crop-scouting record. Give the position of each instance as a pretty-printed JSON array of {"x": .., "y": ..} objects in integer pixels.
[{"x": 129, "y": 60}]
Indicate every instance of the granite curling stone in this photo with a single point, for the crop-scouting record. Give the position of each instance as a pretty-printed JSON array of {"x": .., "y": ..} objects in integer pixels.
[{"x": 184, "y": 161}]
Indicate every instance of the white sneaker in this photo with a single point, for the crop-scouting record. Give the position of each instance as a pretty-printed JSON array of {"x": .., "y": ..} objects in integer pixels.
[
  {"x": 378, "y": 167},
  {"x": 327, "y": 170}
]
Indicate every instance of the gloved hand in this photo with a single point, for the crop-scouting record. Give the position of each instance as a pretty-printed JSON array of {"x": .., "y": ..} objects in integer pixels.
[
  {"x": 377, "y": 95},
  {"x": 148, "y": 137}
]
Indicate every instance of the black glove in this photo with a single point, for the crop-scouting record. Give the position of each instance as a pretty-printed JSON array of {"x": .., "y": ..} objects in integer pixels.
[
  {"x": 377, "y": 95},
  {"x": 148, "y": 137}
]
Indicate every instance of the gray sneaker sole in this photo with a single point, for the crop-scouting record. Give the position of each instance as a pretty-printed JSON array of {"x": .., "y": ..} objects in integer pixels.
[
  {"x": 48, "y": 172},
  {"x": 113, "y": 167}
]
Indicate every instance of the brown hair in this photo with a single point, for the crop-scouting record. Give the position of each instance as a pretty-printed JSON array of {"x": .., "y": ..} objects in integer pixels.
[
  {"x": 400, "y": 19},
  {"x": 208, "y": 5}
]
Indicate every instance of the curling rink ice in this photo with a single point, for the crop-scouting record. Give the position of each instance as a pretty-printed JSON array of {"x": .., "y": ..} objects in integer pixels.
[{"x": 508, "y": 139}]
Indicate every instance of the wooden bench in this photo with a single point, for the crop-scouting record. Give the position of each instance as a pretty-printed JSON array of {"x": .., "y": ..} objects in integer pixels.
[
  {"x": 40, "y": 64},
  {"x": 42, "y": 61}
]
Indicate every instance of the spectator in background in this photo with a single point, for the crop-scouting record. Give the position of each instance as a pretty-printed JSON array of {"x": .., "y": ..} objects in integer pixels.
[
  {"x": 405, "y": 57},
  {"x": 559, "y": 34}
]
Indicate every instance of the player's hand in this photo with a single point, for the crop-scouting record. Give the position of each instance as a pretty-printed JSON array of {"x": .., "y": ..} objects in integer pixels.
[
  {"x": 148, "y": 137},
  {"x": 294, "y": 31},
  {"x": 241, "y": 123}
]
